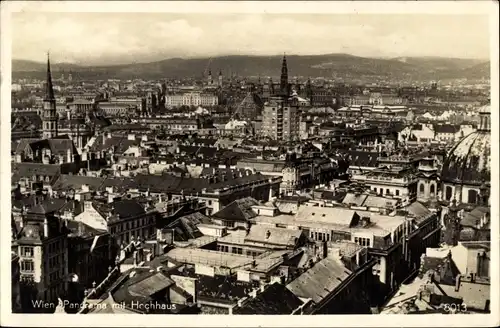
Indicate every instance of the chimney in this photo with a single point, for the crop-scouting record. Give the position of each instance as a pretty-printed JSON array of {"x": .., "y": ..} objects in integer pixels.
[
  {"x": 254, "y": 293},
  {"x": 458, "y": 280},
  {"x": 45, "y": 228}
]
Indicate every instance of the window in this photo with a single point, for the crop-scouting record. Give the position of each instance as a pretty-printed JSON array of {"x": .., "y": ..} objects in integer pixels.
[
  {"x": 472, "y": 197},
  {"x": 229, "y": 224},
  {"x": 27, "y": 251},
  {"x": 362, "y": 241},
  {"x": 27, "y": 278},
  {"x": 433, "y": 189},
  {"x": 449, "y": 192},
  {"x": 27, "y": 265}
]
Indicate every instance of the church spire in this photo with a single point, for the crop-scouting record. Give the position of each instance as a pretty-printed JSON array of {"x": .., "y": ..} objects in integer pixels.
[
  {"x": 284, "y": 75},
  {"x": 49, "y": 89},
  {"x": 49, "y": 116}
]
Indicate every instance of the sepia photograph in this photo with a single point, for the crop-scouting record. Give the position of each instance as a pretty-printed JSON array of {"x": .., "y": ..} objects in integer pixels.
[{"x": 262, "y": 160}]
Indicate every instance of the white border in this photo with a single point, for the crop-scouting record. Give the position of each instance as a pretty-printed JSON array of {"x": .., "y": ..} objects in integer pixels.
[{"x": 373, "y": 7}]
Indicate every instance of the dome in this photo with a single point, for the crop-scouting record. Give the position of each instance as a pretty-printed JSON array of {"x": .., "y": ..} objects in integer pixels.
[
  {"x": 486, "y": 109},
  {"x": 468, "y": 162}
]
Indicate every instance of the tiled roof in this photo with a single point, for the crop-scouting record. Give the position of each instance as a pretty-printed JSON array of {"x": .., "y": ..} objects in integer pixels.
[
  {"x": 127, "y": 208},
  {"x": 24, "y": 170},
  {"x": 320, "y": 281},
  {"x": 21, "y": 146},
  {"x": 238, "y": 210},
  {"x": 119, "y": 143},
  {"x": 186, "y": 228},
  {"x": 446, "y": 128},
  {"x": 275, "y": 299},
  {"x": 48, "y": 206}
]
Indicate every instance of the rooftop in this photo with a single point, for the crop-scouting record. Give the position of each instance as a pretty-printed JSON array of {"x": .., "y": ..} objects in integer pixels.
[{"x": 320, "y": 281}]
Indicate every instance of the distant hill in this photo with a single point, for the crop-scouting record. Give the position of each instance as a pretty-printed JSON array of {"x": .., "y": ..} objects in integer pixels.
[
  {"x": 19, "y": 65},
  {"x": 331, "y": 65},
  {"x": 439, "y": 63}
]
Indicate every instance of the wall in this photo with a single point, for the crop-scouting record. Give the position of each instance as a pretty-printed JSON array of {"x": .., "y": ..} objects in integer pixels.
[
  {"x": 92, "y": 218},
  {"x": 186, "y": 283},
  {"x": 426, "y": 194},
  {"x": 204, "y": 270}
]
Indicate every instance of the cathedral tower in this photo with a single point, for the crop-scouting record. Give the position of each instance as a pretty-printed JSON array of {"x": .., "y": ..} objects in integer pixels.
[
  {"x": 49, "y": 114},
  {"x": 210, "y": 80}
]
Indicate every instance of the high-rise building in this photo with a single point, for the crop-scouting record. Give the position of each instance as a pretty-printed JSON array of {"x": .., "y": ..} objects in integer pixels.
[
  {"x": 281, "y": 117},
  {"x": 49, "y": 114}
]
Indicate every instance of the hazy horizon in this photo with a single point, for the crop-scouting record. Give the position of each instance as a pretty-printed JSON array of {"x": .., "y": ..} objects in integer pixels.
[
  {"x": 44, "y": 58},
  {"x": 91, "y": 39}
]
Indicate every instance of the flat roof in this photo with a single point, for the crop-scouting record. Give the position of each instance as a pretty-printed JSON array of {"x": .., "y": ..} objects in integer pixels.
[
  {"x": 222, "y": 259},
  {"x": 381, "y": 226}
]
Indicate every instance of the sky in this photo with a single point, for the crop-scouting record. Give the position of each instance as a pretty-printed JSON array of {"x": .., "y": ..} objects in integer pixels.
[{"x": 105, "y": 38}]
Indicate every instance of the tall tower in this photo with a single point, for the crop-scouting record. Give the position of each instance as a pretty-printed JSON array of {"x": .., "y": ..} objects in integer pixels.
[
  {"x": 284, "y": 77},
  {"x": 210, "y": 80},
  {"x": 49, "y": 114}
]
